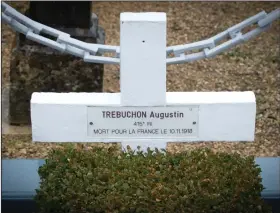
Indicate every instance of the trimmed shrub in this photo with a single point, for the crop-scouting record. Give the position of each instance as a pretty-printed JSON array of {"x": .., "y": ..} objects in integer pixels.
[{"x": 103, "y": 181}]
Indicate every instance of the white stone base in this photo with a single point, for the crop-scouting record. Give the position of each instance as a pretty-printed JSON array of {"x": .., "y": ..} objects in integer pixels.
[{"x": 223, "y": 116}]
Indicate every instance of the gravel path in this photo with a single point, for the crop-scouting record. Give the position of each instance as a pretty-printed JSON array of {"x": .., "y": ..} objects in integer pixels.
[{"x": 251, "y": 66}]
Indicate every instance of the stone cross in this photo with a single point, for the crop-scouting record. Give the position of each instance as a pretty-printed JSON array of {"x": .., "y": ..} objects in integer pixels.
[{"x": 143, "y": 113}]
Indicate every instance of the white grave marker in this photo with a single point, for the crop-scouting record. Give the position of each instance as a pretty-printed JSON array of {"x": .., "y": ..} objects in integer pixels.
[{"x": 143, "y": 113}]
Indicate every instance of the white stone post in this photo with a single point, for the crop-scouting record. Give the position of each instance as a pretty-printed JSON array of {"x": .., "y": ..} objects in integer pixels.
[{"x": 143, "y": 64}]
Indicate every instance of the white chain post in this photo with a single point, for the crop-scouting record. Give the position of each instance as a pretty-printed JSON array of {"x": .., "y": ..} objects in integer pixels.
[{"x": 143, "y": 66}]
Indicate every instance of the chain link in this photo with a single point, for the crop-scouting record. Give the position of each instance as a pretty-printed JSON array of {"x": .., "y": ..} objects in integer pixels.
[
  {"x": 63, "y": 43},
  {"x": 209, "y": 48},
  {"x": 93, "y": 53}
]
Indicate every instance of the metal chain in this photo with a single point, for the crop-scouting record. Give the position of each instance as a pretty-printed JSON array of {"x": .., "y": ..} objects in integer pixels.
[
  {"x": 64, "y": 43},
  {"x": 93, "y": 53},
  {"x": 208, "y": 47}
]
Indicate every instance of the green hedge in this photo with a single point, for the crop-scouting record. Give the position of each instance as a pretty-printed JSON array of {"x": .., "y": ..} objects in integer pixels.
[{"x": 198, "y": 181}]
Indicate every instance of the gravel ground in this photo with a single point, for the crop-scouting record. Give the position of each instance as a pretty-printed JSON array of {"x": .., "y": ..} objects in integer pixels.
[{"x": 253, "y": 66}]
